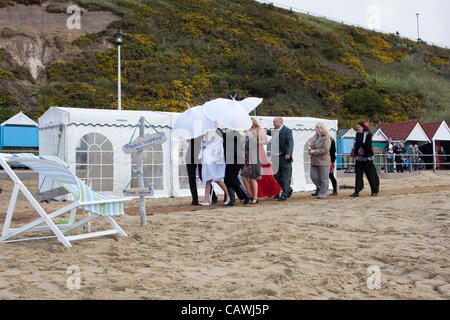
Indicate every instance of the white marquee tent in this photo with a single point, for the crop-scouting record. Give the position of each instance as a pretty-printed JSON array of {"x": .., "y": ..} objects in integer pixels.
[{"x": 91, "y": 140}]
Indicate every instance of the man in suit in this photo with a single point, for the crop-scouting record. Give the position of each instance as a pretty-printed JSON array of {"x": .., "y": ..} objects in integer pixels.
[
  {"x": 234, "y": 151},
  {"x": 282, "y": 147},
  {"x": 192, "y": 163}
]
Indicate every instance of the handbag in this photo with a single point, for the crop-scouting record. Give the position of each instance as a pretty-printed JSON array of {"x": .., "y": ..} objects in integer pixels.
[{"x": 353, "y": 154}]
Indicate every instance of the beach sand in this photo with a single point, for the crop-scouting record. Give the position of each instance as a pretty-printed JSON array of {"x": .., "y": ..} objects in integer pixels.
[{"x": 300, "y": 249}]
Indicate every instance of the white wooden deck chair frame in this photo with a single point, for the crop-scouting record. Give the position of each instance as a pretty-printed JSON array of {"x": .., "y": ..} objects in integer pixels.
[{"x": 58, "y": 230}]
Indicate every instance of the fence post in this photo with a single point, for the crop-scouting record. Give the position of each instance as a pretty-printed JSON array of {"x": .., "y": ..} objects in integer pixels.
[
  {"x": 385, "y": 164},
  {"x": 410, "y": 163},
  {"x": 434, "y": 156}
]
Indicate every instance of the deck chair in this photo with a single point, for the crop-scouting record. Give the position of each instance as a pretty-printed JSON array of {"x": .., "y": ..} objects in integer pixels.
[{"x": 99, "y": 205}]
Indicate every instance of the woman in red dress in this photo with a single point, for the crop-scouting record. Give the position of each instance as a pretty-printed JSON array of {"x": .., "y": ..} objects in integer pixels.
[{"x": 267, "y": 185}]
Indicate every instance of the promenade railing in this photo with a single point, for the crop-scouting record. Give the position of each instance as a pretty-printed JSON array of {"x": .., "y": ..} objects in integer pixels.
[{"x": 390, "y": 162}]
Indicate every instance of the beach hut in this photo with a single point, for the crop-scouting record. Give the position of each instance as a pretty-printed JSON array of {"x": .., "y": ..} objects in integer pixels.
[
  {"x": 409, "y": 132},
  {"x": 19, "y": 134},
  {"x": 91, "y": 140},
  {"x": 379, "y": 142},
  {"x": 439, "y": 134},
  {"x": 379, "y": 139},
  {"x": 344, "y": 145}
]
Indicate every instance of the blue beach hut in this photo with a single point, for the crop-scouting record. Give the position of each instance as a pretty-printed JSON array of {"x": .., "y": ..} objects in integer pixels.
[
  {"x": 344, "y": 145},
  {"x": 19, "y": 134}
]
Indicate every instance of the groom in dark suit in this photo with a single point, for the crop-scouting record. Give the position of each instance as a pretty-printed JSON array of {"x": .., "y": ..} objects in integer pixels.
[
  {"x": 192, "y": 163},
  {"x": 282, "y": 146}
]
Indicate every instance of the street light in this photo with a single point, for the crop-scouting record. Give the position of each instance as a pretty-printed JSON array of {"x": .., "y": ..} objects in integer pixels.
[
  {"x": 418, "y": 34},
  {"x": 119, "y": 39}
]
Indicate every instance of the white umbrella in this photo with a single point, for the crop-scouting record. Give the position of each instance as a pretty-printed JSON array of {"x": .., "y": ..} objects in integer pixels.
[
  {"x": 230, "y": 114},
  {"x": 191, "y": 124},
  {"x": 251, "y": 103}
]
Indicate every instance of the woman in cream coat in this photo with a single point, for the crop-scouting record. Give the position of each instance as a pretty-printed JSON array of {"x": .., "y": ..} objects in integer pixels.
[{"x": 320, "y": 160}]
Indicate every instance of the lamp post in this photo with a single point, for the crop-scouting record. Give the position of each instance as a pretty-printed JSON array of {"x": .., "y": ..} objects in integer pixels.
[
  {"x": 418, "y": 34},
  {"x": 119, "y": 38}
]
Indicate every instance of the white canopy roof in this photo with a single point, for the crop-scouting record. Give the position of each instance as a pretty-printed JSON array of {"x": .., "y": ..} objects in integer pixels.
[
  {"x": 20, "y": 119},
  {"x": 56, "y": 116},
  {"x": 299, "y": 123}
]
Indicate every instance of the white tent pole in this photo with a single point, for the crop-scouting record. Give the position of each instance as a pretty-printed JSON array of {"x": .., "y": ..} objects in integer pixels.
[
  {"x": 140, "y": 169},
  {"x": 172, "y": 168}
]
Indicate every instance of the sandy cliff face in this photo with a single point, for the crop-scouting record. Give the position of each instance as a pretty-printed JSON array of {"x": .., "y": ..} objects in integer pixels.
[
  {"x": 30, "y": 51},
  {"x": 34, "y": 38}
]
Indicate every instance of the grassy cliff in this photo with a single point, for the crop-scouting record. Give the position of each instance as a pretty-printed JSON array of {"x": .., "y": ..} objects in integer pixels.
[{"x": 194, "y": 50}]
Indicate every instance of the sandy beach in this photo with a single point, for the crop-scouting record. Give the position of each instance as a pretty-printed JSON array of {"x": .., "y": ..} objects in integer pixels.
[{"x": 300, "y": 249}]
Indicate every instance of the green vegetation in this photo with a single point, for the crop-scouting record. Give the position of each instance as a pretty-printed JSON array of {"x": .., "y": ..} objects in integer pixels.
[
  {"x": 194, "y": 50},
  {"x": 364, "y": 102},
  {"x": 6, "y": 101}
]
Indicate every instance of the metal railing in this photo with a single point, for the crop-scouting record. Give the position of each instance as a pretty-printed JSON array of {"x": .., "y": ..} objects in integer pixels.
[
  {"x": 391, "y": 162},
  {"x": 317, "y": 15}
]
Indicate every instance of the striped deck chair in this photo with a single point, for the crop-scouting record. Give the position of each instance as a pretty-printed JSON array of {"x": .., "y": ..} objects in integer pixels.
[{"x": 87, "y": 199}]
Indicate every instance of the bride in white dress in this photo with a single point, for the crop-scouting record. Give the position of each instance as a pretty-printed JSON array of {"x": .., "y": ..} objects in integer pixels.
[{"x": 213, "y": 165}]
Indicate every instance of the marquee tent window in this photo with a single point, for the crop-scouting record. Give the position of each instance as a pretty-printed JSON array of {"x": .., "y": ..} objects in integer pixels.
[
  {"x": 94, "y": 161},
  {"x": 153, "y": 161}
]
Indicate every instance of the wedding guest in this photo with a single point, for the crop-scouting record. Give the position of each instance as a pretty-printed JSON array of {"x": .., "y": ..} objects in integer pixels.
[
  {"x": 320, "y": 160},
  {"x": 364, "y": 161},
  {"x": 233, "y": 146},
  {"x": 282, "y": 149},
  {"x": 267, "y": 185},
  {"x": 332, "y": 166},
  {"x": 192, "y": 164},
  {"x": 213, "y": 165},
  {"x": 251, "y": 172}
]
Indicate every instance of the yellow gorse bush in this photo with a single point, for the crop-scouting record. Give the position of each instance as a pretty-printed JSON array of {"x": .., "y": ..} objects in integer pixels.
[
  {"x": 353, "y": 63},
  {"x": 438, "y": 61}
]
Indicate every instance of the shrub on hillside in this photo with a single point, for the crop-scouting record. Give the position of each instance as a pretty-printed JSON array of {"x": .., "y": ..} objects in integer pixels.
[
  {"x": 364, "y": 101},
  {"x": 6, "y": 103}
]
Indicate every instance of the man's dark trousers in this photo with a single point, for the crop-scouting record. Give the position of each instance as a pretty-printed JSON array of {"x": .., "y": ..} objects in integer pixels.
[
  {"x": 283, "y": 176},
  {"x": 232, "y": 182},
  {"x": 191, "y": 168}
]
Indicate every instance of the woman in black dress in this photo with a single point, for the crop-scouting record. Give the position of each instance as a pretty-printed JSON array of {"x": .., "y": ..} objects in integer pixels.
[
  {"x": 332, "y": 167},
  {"x": 364, "y": 161}
]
